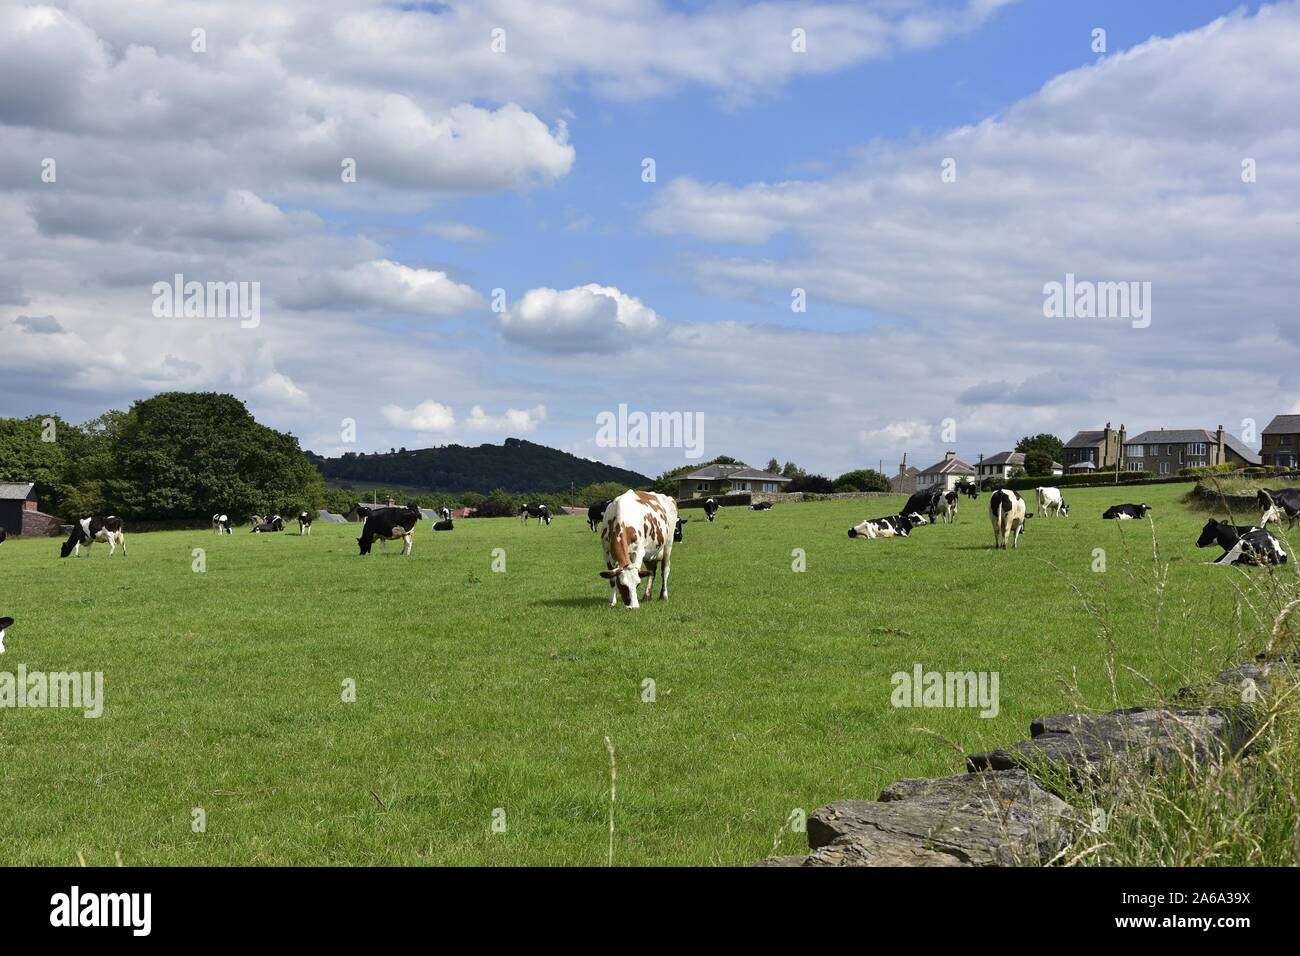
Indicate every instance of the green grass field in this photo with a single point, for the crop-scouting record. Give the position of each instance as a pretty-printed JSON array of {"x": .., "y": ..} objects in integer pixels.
[{"x": 478, "y": 690}]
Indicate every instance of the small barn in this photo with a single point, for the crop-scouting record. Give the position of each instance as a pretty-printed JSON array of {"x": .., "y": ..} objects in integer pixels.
[{"x": 16, "y": 498}]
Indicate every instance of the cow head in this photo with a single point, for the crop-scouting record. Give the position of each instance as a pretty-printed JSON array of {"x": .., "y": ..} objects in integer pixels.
[
  {"x": 365, "y": 541},
  {"x": 1209, "y": 534},
  {"x": 916, "y": 518},
  {"x": 1065, "y": 509},
  {"x": 1142, "y": 510},
  {"x": 74, "y": 539},
  {"x": 626, "y": 579},
  {"x": 677, "y": 531}
]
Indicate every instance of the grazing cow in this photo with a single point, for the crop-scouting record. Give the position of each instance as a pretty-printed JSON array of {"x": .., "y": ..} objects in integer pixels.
[
  {"x": 221, "y": 524},
  {"x": 924, "y": 503},
  {"x": 1007, "y": 510},
  {"x": 96, "y": 528},
  {"x": 1278, "y": 504},
  {"x": 444, "y": 525},
  {"x": 5, "y": 624},
  {"x": 540, "y": 512},
  {"x": 596, "y": 512},
  {"x": 275, "y": 523},
  {"x": 677, "y": 530},
  {"x": 3, "y": 535},
  {"x": 710, "y": 509},
  {"x": 969, "y": 489},
  {"x": 895, "y": 526},
  {"x": 762, "y": 506},
  {"x": 304, "y": 522},
  {"x": 1241, "y": 544},
  {"x": 1051, "y": 501},
  {"x": 389, "y": 524},
  {"x": 1126, "y": 512},
  {"x": 948, "y": 506},
  {"x": 635, "y": 535}
]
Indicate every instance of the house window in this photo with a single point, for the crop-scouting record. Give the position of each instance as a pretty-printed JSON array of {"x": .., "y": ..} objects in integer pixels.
[
  {"x": 701, "y": 486},
  {"x": 1284, "y": 439},
  {"x": 1135, "y": 451},
  {"x": 1133, "y": 466},
  {"x": 1196, "y": 448},
  {"x": 740, "y": 486},
  {"x": 1164, "y": 468}
]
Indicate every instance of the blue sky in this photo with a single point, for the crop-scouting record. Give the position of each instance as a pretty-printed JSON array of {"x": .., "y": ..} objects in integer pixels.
[{"x": 774, "y": 170}]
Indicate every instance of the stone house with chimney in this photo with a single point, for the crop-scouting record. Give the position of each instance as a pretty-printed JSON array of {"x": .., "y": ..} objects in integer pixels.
[
  {"x": 1281, "y": 444},
  {"x": 1094, "y": 450},
  {"x": 946, "y": 474},
  {"x": 1165, "y": 451}
]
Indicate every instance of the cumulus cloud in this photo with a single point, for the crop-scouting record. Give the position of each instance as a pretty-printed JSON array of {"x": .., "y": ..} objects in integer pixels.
[
  {"x": 429, "y": 417},
  {"x": 385, "y": 285},
  {"x": 589, "y": 318},
  {"x": 513, "y": 420}
]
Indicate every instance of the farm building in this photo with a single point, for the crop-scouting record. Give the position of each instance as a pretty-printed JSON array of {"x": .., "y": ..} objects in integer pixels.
[
  {"x": 947, "y": 474},
  {"x": 904, "y": 483},
  {"x": 1165, "y": 451},
  {"x": 16, "y": 498},
  {"x": 1282, "y": 442},
  {"x": 726, "y": 479}
]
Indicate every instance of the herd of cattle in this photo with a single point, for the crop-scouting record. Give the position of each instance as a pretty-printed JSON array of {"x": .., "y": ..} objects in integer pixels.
[
  {"x": 638, "y": 528},
  {"x": 1241, "y": 544}
]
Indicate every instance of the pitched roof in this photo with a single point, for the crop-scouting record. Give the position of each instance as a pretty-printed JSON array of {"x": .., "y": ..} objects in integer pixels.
[
  {"x": 1182, "y": 436},
  {"x": 1283, "y": 425},
  {"x": 743, "y": 472},
  {"x": 1086, "y": 439},
  {"x": 1005, "y": 458},
  {"x": 16, "y": 490},
  {"x": 949, "y": 466}
]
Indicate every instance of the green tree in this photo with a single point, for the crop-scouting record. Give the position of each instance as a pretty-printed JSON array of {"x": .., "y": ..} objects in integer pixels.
[
  {"x": 1047, "y": 444},
  {"x": 187, "y": 454},
  {"x": 1038, "y": 463},
  {"x": 773, "y": 466},
  {"x": 864, "y": 479}
]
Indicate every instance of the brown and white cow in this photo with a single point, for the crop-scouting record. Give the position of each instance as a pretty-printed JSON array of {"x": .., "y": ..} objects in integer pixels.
[{"x": 637, "y": 532}]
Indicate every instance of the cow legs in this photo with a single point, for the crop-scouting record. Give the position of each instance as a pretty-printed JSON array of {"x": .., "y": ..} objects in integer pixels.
[
  {"x": 650, "y": 581},
  {"x": 613, "y": 592},
  {"x": 407, "y": 538},
  {"x": 663, "y": 581}
]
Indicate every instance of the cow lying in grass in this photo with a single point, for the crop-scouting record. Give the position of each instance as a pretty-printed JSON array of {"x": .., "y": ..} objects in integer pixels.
[
  {"x": 276, "y": 523},
  {"x": 1278, "y": 504},
  {"x": 1126, "y": 512},
  {"x": 894, "y": 526},
  {"x": 389, "y": 524},
  {"x": 95, "y": 528},
  {"x": 1241, "y": 544}
]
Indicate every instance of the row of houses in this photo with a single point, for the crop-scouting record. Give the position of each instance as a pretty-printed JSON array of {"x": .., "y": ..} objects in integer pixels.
[{"x": 1161, "y": 451}]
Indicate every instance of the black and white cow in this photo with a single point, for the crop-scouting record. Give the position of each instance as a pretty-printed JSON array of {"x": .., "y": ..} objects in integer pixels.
[
  {"x": 596, "y": 512},
  {"x": 443, "y": 525},
  {"x": 1126, "y": 512},
  {"x": 3, "y": 535},
  {"x": 710, "y": 509},
  {"x": 274, "y": 523},
  {"x": 1279, "y": 504},
  {"x": 389, "y": 524},
  {"x": 304, "y": 522},
  {"x": 444, "y": 513},
  {"x": 96, "y": 528},
  {"x": 677, "y": 529},
  {"x": 1007, "y": 511},
  {"x": 5, "y": 624},
  {"x": 1051, "y": 502},
  {"x": 221, "y": 524},
  {"x": 948, "y": 506},
  {"x": 762, "y": 506},
  {"x": 1241, "y": 544},
  {"x": 540, "y": 512},
  {"x": 894, "y": 526},
  {"x": 924, "y": 503},
  {"x": 969, "y": 489}
]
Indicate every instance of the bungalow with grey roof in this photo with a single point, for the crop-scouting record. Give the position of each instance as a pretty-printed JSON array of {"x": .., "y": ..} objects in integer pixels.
[{"x": 727, "y": 479}]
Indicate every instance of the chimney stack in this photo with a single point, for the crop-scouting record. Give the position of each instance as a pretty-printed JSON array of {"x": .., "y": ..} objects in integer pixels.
[{"x": 950, "y": 456}]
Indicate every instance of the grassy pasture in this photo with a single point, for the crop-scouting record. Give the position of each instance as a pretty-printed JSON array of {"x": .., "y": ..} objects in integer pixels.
[{"x": 478, "y": 690}]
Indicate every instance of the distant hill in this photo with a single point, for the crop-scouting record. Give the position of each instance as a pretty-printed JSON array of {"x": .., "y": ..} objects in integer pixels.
[{"x": 515, "y": 465}]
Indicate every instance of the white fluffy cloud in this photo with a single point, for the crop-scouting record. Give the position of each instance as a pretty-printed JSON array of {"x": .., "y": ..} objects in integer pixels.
[
  {"x": 429, "y": 417},
  {"x": 385, "y": 285},
  {"x": 589, "y": 318},
  {"x": 512, "y": 420}
]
